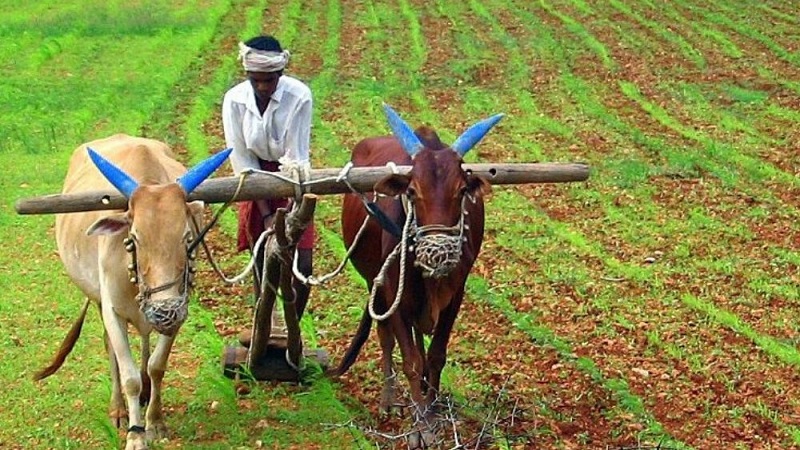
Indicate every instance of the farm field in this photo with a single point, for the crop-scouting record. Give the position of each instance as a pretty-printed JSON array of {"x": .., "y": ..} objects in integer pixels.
[{"x": 656, "y": 304}]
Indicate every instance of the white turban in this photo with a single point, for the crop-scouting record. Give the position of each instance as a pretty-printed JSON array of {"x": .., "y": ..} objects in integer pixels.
[{"x": 254, "y": 60}]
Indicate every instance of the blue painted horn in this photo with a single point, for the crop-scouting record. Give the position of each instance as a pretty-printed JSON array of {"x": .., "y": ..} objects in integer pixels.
[
  {"x": 197, "y": 174},
  {"x": 188, "y": 182},
  {"x": 474, "y": 134},
  {"x": 121, "y": 180},
  {"x": 402, "y": 131}
]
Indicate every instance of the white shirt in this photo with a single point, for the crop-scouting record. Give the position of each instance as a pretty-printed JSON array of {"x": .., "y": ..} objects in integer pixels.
[{"x": 283, "y": 130}]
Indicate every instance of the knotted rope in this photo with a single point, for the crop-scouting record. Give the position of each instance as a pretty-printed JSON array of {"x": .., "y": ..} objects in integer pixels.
[{"x": 438, "y": 247}]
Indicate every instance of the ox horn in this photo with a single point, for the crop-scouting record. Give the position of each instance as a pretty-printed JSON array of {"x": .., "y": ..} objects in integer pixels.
[
  {"x": 404, "y": 133},
  {"x": 121, "y": 180},
  {"x": 474, "y": 134},
  {"x": 197, "y": 174}
]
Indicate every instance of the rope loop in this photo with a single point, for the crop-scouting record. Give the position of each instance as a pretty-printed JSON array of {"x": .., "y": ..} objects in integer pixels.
[{"x": 402, "y": 248}]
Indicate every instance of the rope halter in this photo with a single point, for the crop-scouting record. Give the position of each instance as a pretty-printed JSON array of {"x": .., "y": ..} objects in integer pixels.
[{"x": 166, "y": 315}]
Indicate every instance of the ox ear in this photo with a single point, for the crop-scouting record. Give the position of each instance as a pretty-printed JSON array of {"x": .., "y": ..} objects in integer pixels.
[
  {"x": 116, "y": 176},
  {"x": 474, "y": 134},
  {"x": 478, "y": 185},
  {"x": 113, "y": 224},
  {"x": 404, "y": 133},
  {"x": 393, "y": 185},
  {"x": 197, "y": 174}
]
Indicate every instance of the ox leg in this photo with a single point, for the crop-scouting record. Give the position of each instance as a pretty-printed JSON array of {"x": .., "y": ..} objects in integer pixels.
[
  {"x": 419, "y": 338},
  {"x": 425, "y": 432},
  {"x": 156, "y": 366},
  {"x": 131, "y": 381},
  {"x": 437, "y": 352},
  {"x": 144, "y": 396},
  {"x": 116, "y": 410},
  {"x": 389, "y": 375}
]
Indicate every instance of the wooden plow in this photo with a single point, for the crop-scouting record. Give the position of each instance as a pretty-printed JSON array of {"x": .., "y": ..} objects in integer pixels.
[{"x": 275, "y": 350}]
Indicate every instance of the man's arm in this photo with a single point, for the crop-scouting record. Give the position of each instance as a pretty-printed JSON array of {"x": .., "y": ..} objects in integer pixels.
[{"x": 241, "y": 158}]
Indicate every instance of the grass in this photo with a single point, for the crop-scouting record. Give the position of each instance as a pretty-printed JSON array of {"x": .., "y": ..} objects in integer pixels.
[
  {"x": 692, "y": 166},
  {"x": 575, "y": 27},
  {"x": 111, "y": 108}
]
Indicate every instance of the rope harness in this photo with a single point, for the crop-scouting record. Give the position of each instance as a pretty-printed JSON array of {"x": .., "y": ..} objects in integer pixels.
[
  {"x": 437, "y": 248},
  {"x": 437, "y": 251}
]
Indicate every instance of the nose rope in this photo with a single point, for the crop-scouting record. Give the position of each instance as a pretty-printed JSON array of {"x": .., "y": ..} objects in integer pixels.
[{"x": 145, "y": 291}]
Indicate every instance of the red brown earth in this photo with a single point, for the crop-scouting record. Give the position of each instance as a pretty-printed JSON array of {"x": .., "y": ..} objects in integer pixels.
[{"x": 706, "y": 402}]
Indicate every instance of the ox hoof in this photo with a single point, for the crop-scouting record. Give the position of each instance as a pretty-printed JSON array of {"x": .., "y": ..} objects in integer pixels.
[
  {"x": 119, "y": 418},
  {"x": 136, "y": 441},
  {"x": 424, "y": 435},
  {"x": 421, "y": 439},
  {"x": 157, "y": 431},
  {"x": 387, "y": 405}
]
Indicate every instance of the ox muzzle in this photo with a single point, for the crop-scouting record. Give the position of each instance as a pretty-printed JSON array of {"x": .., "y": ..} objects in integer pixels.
[
  {"x": 438, "y": 248},
  {"x": 165, "y": 315},
  {"x": 437, "y": 252}
]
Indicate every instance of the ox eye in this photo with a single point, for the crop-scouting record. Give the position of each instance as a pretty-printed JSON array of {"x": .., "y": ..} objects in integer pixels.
[{"x": 411, "y": 193}]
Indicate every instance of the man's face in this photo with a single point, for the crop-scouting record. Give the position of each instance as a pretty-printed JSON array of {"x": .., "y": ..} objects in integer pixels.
[{"x": 264, "y": 83}]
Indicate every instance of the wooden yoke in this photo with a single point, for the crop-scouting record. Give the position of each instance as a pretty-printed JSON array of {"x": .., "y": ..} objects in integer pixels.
[
  {"x": 322, "y": 182},
  {"x": 266, "y": 359}
]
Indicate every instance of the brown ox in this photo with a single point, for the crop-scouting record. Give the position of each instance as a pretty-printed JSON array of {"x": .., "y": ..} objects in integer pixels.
[
  {"x": 443, "y": 238},
  {"x": 135, "y": 264}
]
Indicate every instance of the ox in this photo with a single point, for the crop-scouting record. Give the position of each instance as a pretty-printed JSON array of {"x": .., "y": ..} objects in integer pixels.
[
  {"x": 438, "y": 235},
  {"x": 136, "y": 264}
]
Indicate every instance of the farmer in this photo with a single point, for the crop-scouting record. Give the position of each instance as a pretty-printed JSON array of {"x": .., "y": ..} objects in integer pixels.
[{"x": 267, "y": 122}]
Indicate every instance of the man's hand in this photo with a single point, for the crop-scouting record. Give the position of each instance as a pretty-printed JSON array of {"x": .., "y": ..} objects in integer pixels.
[{"x": 298, "y": 171}]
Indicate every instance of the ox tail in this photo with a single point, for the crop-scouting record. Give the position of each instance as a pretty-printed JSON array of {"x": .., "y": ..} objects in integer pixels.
[
  {"x": 66, "y": 346},
  {"x": 362, "y": 333}
]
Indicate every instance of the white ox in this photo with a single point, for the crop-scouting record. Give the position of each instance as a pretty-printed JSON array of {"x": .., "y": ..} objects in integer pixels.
[{"x": 136, "y": 264}]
